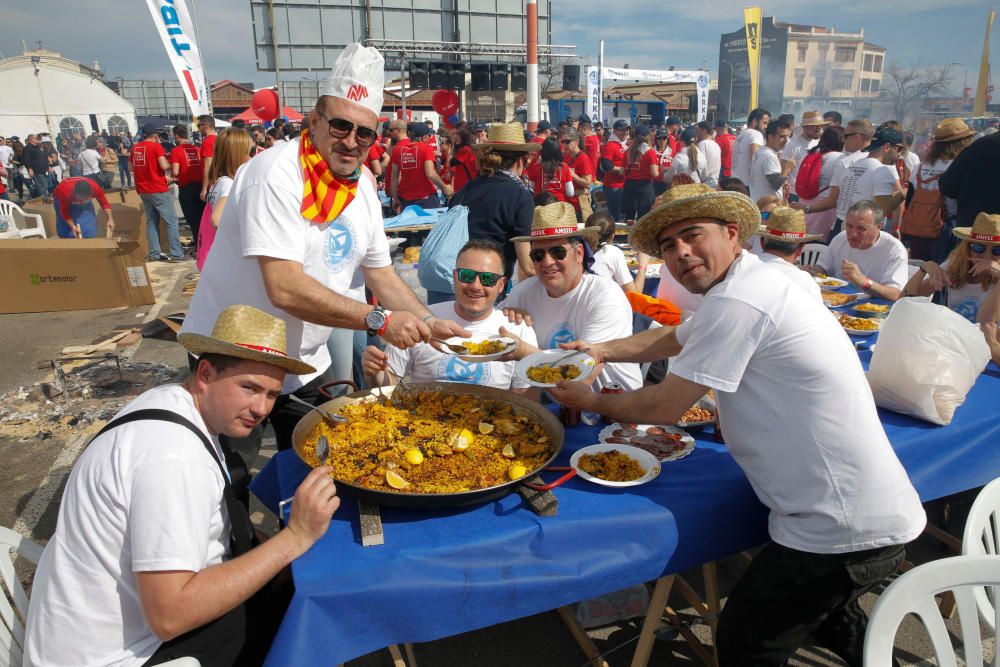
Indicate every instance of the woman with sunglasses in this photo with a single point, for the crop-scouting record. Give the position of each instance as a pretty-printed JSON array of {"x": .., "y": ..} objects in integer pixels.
[
  {"x": 549, "y": 173},
  {"x": 967, "y": 280},
  {"x": 233, "y": 147}
]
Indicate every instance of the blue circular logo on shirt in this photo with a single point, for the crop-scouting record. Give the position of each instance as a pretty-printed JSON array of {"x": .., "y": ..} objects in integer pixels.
[
  {"x": 338, "y": 246},
  {"x": 453, "y": 369},
  {"x": 561, "y": 333},
  {"x": 968, "y": 309}
]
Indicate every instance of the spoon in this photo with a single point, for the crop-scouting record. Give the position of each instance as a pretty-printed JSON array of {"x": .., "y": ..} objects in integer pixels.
[
  {"x": 322, "y": 454},
  {"x": 457, "y": 349},
  {"x": 328, "y": 415}
]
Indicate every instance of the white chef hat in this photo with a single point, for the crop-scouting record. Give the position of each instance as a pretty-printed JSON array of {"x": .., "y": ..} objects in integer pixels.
[{"x": 358, "y": 76}]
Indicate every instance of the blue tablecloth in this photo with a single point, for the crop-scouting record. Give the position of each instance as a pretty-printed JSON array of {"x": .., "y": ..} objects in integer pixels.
[
  {"x": 443, "y": 573},
  {"x": 413, "y": 215}
]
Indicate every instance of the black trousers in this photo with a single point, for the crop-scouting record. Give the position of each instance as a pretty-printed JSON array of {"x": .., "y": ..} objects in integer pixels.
[
  {"x": 425, "y": 203},
  {"x": 189, "y": 197},
  {"x": 637, "y": 199},
  {"x": 287, "y": 413},
  {"x": 787, "y": 595}
]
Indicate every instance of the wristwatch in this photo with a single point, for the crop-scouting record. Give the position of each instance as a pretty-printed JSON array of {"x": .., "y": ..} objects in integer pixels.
[{"x": 377, "y": 320}]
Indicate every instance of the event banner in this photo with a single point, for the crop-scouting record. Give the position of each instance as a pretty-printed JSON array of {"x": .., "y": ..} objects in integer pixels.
[
  {"x": 593, "y": 103},
  {"x": 753, "y": 16},
  {"x": 173, "y": 22},
  {"x": 596, "y": 76}
]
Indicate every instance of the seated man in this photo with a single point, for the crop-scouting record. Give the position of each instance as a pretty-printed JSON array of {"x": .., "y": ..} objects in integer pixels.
[
  {"x": 152, "y": 557},
  {"x": 782, "y": 236},
  {"x": 867, "y": 256},
  {"x": 479, "y": 280},
  {"x": 564, "y": 299},
  {"x": 75, "y": 217}
]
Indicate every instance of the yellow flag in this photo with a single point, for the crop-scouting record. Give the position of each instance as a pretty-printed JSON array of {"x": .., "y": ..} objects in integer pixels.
[
  {"x": 979, "y": 108},
  {"x": 753, "y": 17}
]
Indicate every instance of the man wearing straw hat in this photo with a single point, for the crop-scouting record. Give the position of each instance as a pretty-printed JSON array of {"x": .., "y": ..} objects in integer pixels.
[
  {"x": 782, "y": 237},
  {"x": 799, "y": 419},
  {"x": 153, "y": 557},
  {"x": 300, "y": 230},
  {"x": 795, "y": 150}
]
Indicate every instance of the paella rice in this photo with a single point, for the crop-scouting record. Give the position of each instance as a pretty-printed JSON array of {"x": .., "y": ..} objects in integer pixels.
[
  {"x": 611, "y": 466},
  {"x": 859, "y": 323},
  {"x": 552, "y": 374},
  {"x": 430, "y": 442},
  {"x": 489, "y": 346},
  {"x": 872, "y": 307}
]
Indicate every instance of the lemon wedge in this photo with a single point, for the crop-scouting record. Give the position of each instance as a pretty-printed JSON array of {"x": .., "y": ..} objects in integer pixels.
[
  {"x": 395, "y": 480},
  {"x": 508, "y": 452},
  {"x": 414, "y": 456},
  {"x": 485, "y": 428},
  {"x": 461, "y": 440},
  {"x": 517, "y": 471}
]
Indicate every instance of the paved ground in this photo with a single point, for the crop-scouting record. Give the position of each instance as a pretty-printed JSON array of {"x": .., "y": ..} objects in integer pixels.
[{"x": 35, "y": 469}]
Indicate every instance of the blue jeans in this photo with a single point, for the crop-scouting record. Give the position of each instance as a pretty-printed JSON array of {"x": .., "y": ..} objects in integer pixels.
[
  {"x": 161, "y": 205},
  {"x": 340, "y": 344},
  {"x": 613, "y": 196},
  {"x": 124, "y": 175}
]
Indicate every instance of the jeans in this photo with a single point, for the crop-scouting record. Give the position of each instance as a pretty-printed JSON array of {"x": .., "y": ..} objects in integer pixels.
[
  {"x": 427, "y": 202},
  {"x": 787, "y": 595},
  {"x": 161, "y": 205},
  {"x": 124, "y": 175},
  {"x": 613, "y": 196},
  {"x": 41, "y": 183},
  {"x": 192, "y": 206},
  {"x": 637, "y": 199},
  {"x": 340, "y": 344}
]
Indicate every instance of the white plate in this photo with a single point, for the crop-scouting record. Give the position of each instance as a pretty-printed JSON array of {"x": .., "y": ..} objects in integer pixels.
[
  {"x": 645, "y": 459},
  {"x": 858, "y": 298},
  {"x": 834, "y": 283},
  {"x": 662, "y": 453},
  {"x": 478, "y": 338},
  {"x": 581, "y": 360}
]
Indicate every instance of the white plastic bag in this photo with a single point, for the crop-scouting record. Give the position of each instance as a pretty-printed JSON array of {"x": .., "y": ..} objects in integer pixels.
[{"x": 926, "y": 359}]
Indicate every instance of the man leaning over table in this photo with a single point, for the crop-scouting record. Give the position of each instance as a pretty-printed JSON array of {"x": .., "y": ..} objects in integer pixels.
[
  {"x": 479, "y": 280},
  {"x": 801, "y": 425},
  {"x": 299, "y": 224},
  {"x": 152, "y": 557},
  {"x": 782, "y": 237}
]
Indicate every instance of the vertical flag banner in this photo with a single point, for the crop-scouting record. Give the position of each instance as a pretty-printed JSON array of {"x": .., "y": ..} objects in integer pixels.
[
  {"x": 593, "y": 104},
  {"x": 753, "y": 17},
  {"x": 979, "y": 108},
  {"x": 173, "y": 23}
]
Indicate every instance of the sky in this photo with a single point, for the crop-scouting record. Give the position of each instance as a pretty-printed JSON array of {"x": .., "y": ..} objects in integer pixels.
[{"x": 650, "y": 34}]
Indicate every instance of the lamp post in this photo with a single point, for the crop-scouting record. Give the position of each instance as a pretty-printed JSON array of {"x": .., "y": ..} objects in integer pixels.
[{"x": 729, "y": 105}]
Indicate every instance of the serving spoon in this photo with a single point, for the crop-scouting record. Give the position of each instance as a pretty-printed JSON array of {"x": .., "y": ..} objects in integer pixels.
[{"x": 328, "y": 415}]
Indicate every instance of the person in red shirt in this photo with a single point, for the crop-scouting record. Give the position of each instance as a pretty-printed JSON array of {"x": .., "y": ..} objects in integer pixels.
[
  {"x": 206, "y": 125},
  {"x": 673, "y": 126},
  {"x": 664, "y": 158},
  {"x": 185, "y": 166},
  {"x": 591, "y": 143},
  {"x": 378, "y": 158},
  {"x": 414, "y": 174},
  {"x": 725, "y": 140},
  {"x": 549, "y": 173},
  {"x": 582, "y": 172},
  {"x": 640, "y": 159},
  {"x": 613, "y": 164},
  {"x": 150, "y": 169},
  {"x": 542, "y": 132},
  {"x": 73, "y": 201},
  {"x": 463, "y": 159}
]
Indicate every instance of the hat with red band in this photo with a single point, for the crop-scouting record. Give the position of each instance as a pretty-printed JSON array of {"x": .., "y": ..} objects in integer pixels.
[
  {"x": 985, "y": 229},
  {"x": 246, "y": 333},
  {"x": 557, "y": 221},
  {"x": 788, "y": 225}
]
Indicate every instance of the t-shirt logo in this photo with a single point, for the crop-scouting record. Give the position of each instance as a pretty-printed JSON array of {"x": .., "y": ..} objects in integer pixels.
[
  {"x": 408, "y": 158},
  {"x": 968, "y": 309},
  {"x": 561, "y": 333},
  {"x": 338, "y": 247},
  {"x": 453, "y": 369},
  {"x": 139, "y": 157}
]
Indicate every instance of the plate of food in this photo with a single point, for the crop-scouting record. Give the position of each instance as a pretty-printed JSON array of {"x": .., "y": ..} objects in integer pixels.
[
  {"x": 878, "y": 310},
  {"x": 838, "y": 299},
  {"x": 538, "y": 370},
  {"x": 481, "y": 347},
  {"x": 830, "y": 282},
  {"x": 615, "y": 465},
  {"x": 702, "y": 413},
  {"x": 860, "y": 326},
  {"x": 666, "y": 443}
]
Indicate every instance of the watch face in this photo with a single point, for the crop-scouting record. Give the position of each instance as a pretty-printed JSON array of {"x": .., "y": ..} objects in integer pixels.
[{"x": 375, "y": 319}]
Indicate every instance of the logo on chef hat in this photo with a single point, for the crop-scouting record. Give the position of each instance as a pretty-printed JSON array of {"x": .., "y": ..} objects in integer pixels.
[
  {"x": 453, "y": 369},
  {"x": 339, "y": 248},
  {"x": 358, "y": 76},
  {"x": 561, "y": 333}
]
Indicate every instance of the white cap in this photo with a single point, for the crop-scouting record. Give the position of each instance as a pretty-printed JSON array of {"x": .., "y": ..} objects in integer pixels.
[{"x": 358, "y": 76}]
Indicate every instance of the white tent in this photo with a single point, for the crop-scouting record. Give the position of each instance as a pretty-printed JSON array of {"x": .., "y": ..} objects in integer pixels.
[{"x": 44, "y": 92}]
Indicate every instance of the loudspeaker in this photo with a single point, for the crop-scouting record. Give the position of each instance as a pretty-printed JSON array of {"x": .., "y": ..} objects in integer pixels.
[
  {"x": 439, "y": 76},
  {"x": 499, "y": 72},
  {"x": 571, "y": 77},
  {"x": 519, "y": 78},
  {"x": 419, "y": 75},
  {"x": 481, "y": 76},
  {"x": 456, "y": 76}
]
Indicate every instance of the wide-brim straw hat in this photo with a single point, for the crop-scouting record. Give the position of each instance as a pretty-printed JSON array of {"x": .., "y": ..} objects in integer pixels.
[
  {"x": 786, "y": 224},
  {"x": 985, "y": 229},
  {"x": 507, "y": 137},
  {"x": 952, "y": 129},
  {"x": 247, "y": 333},
  {"x": 557, "y": 221},
  {"x": 695, "y": 200},
  {"x": 812, "y": 118}
]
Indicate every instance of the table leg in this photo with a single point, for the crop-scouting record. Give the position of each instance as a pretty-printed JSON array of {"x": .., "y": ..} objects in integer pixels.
[
  {"x": 397, "y": 657},
  {"x": 657, "y": 603},
  {"x": 580, "y": 635},
  {"x": 712, "y": 597},
  {"x": 691, "y": 639},
  {"x": 410, "y": 657}
]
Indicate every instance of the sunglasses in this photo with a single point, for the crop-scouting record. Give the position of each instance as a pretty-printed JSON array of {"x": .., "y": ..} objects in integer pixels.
[
  {"x": 566, "y": 141},
  {"x": 341, "y": 127},
  {"x": 557, "y": 252},
  {"x": 980, "y": 248},
  {"x": 487, "y": 279}
]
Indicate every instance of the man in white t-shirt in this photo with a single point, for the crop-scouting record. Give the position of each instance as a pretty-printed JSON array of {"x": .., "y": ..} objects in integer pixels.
[
  {"x": 748, "y": 142},
  {"x": 815, "y": 453},
  {"x": 867, "y": 256},
  {"x": 811, "y": 127},
  {"x": 564, "y": 300},
  {"x": 768, "y": 172},
  {"x": 152, "y": 556},
  {"x": 479, "y": 280},
  {"x": 872, "y": 177},
  {"x": 301, "y": 220},
  {"x": 782, "y": 237},
  {"x": 712, "y": 151}
]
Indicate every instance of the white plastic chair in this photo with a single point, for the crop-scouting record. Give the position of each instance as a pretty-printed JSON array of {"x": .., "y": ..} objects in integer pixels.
[
  {"x": 982, "y": 538},
  {"x": 9, "y": 227},
  {"x": 811, "y": 254},
  {"x": 913, "y": 593}
]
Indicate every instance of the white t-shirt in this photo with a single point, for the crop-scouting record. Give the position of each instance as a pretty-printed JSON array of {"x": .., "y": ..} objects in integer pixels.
[
  {"x": 927, "y": 171},
  {"x": 673, "y": 292},
  {"x": 830, "y": 162},
  {"x": 596, "y": 311},
  {"x": 422, "y": 363},
  {"x": 912, "y": 161},
  {"x": 713, "y": 160},
  {"x": 765, "y": 161},
  {"x": 801, "y": 424},
  {"x": 221, "y": 188},
  {"x": 90, "y": 162},
  {"x": 796, "y": 149},
  {"x": 262, "y": 219},
  {"x": 741, "y": 153},
  {"x": 6, "y": 156},
  {"x": 865, "y": 178},
  {"x": 799, "y": 277},
  {"x": 966, "y": 299},
  {"x": 840, "y": 174},
  {"x": 610, "y": 262},
  {"x": 884, "y": 262},
  {"x": 682, "y": 165},
  {"x": 144, "y": 497}
]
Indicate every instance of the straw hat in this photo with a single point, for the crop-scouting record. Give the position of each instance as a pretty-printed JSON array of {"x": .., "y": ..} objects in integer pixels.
[
  {"x": 952, "y": 129},
  {"x": 696, "y": 200},
  {"x": 557, "y": 221},
  {"x": 985, "y": 229},
  {"x": 246, "y": 333},
  {"x": 812, "y": 118},
  {"x": 508, "y": 137},
  {"x": 788, "y": 225}
]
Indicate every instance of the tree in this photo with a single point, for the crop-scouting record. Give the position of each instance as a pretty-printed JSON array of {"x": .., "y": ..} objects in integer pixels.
[{"x": 907, "y": 87}]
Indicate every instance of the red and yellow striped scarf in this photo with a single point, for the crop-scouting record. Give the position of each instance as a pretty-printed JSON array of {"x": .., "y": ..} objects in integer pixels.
[{"x": 324, "y": 194}]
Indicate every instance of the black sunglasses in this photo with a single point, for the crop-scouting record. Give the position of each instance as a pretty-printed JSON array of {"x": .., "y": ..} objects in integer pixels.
[
  {"x": 341, "y": 127},
  {"x": 980, "y": 248},
  {"x": 468, "y": 276},
  {"x": 558, "y": 252},
  {"x": 567, "y": 141}
]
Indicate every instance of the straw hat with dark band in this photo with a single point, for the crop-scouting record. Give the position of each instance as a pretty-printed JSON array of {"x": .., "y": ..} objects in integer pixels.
[
  {"x": 985, "y": 229},
  {"x": 788, "y": 225},
  {"x": 812, "y": 118},
  {"x": 557, "y": 221},
  {"x": 697, "y": 200},
  {"x": 246, "y": 333},
  {"x": 952, "y": 129},
  {"x": 507, "y": 137}
]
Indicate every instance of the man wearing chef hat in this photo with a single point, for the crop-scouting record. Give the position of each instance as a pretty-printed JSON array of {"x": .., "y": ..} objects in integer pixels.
[{"x": 302, "y": 220}]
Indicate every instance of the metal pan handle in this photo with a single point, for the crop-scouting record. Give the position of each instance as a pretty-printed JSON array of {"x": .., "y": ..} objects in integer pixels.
[
  {"x": 559, "y": 482},
  {"x": 324, "y": 389}
]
